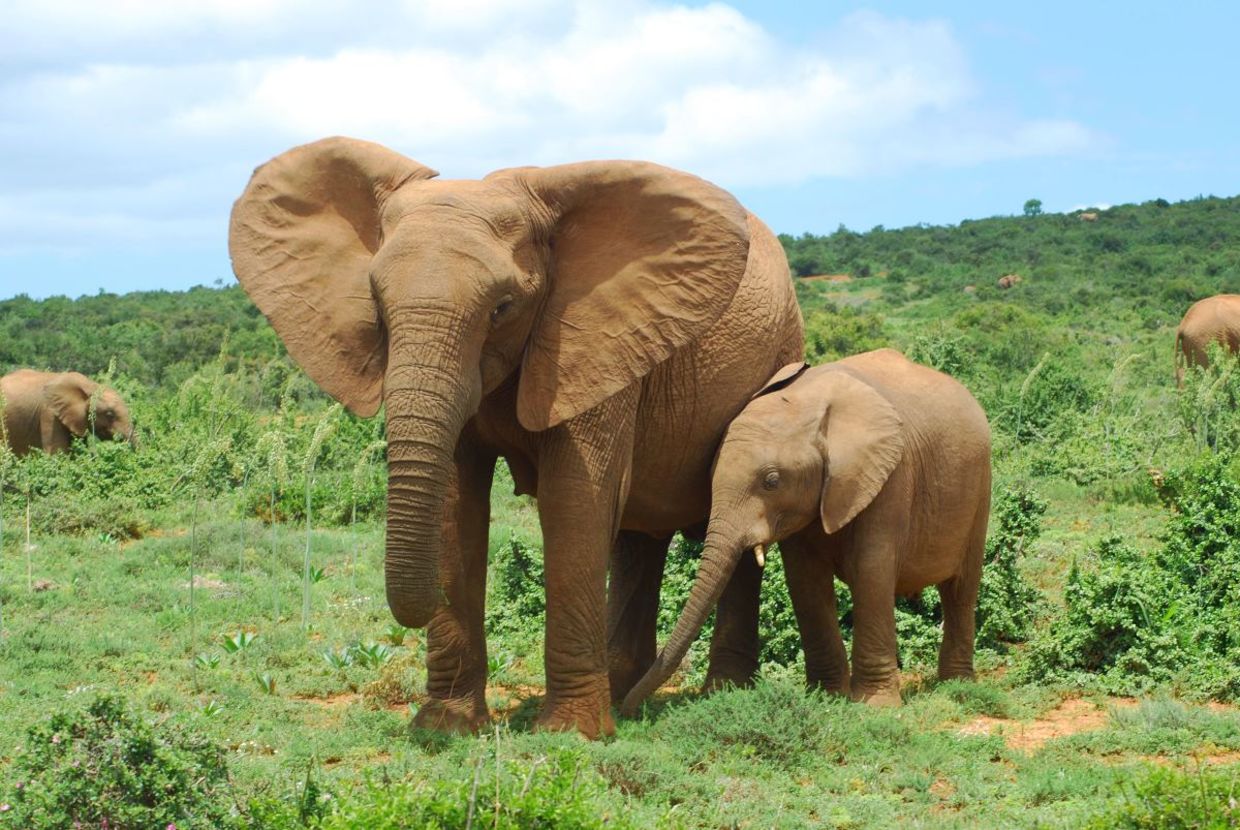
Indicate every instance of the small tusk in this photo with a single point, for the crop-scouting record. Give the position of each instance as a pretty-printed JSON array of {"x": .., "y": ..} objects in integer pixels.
[{"x": 759, "y": 553}]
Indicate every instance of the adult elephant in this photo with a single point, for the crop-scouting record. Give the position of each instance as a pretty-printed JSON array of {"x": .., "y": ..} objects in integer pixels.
[
  {"x": 1212, "y": 320},
  {"x": 596, "y": 324},
  {"x": 46, "y": 410}
]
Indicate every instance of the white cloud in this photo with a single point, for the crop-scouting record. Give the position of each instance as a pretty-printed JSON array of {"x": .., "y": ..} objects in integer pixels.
[{"x": 142, "y": 119}]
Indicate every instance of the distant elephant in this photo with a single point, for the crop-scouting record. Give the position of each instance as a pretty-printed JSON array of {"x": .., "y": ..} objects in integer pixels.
[
  {"x": 596, "y": 324},
  {"x": 44, "y": 410},
  {"x": 1009, "y": 281},
  {"x": 873, "y": 469},
  {"x": 1212, "y": 320}
]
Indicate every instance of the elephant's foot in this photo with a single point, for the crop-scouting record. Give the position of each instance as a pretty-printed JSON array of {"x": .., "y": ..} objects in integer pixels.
[
  {"x": 828, "y": 684},
  {"x": 457, "y": 715},
  {"x": 958, "y": 673},
  {"x": 888, "y": 696},
  {"x": 591, "y": 716},
  {"x": 721, "y": 675}
]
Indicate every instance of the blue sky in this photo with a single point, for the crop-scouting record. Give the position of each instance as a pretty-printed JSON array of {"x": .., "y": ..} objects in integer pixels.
[{"x": 127, "y": 128}]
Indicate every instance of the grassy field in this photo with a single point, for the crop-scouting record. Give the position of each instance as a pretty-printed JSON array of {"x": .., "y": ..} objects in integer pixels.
[
  {"x": 160, "y": 577},
  {"x": 108, "y": 616}
]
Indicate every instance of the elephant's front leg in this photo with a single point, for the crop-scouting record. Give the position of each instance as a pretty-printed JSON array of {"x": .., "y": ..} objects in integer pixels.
[
  {"x": 875, "y": 650},
  {"x": 637, "y": 562},
  {"x": 582, "y": 485},
  {"x": 456, "y": 649},
  {"x": 811, "y": 586}
]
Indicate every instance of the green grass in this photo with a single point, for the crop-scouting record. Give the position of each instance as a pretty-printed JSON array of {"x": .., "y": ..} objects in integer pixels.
[{"x": 117, "y": 620}]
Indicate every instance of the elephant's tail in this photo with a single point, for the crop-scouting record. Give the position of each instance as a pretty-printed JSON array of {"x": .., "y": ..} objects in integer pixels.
[{"x": 1179, "y": 357}]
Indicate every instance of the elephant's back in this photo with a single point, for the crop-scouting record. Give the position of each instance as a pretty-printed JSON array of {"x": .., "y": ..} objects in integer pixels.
[
  {"x": 1214, "y": 318},
  {"x": 933, "y": 405}
]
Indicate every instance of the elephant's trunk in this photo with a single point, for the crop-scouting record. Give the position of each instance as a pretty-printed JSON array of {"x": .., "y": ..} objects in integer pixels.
[
  {"x": 721, "y": 553},
  {"x": 427, "y": 404}
]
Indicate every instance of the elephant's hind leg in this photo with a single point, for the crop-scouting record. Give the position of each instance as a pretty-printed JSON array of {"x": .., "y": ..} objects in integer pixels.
[
  {"x": 456, "y": 649},
  {"x": 958, "y": 597},
  {"x": 637, "y": 562}
]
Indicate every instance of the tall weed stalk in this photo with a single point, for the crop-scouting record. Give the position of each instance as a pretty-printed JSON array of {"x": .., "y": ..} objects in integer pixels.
[{"x": 326, "y": 426}]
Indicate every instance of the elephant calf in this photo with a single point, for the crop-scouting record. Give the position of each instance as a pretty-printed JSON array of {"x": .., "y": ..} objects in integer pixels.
[
  {"x": 44, "y": 410},
  {"x": 873, "y": 469}
]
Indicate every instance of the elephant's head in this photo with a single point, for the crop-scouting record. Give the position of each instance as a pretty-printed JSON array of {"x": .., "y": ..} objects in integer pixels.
[
  {"x": 813, "y": 445},
  {"x": 425, "y": 295},
  {"x": 82, "y": 406}
]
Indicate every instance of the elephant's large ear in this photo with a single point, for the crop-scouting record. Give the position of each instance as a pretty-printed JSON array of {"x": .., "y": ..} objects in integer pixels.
[
  {"x": 67, "y": 395},
  {"x": 644, "y": 259},
  {"x": 301, "y": 239},
  {"x": 862, "y": 440}
]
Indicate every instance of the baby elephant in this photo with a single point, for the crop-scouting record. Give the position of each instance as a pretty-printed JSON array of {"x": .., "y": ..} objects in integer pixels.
[
  {"x": 873, "y": 469},
  {"x": 43, "y": 410}
]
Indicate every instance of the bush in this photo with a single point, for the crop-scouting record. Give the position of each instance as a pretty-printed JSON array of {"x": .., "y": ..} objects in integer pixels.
[
  {"x": 1139, "y": 620},
  {"x": 105, "y": 766},
  {"x": 1007, "y": 604},
  {"x": 518, "y": 599},
  {"x": 1172, "y": 800}
]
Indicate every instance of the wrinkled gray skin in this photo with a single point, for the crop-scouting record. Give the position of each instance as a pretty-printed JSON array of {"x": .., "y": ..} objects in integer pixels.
[
  {"x": 873, "y": 469},
  {"x": 46, "y": 410}
]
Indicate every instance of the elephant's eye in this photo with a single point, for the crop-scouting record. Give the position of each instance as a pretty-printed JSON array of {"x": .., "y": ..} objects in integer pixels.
[
  {"x": 501, "y": 309},
  {"x": 770, "y": 481}
]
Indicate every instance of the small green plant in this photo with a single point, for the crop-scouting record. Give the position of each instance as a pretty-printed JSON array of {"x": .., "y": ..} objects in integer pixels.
[
  {"x": 210, "y": 709},
  {"x": 497, "y": 664},
  {"x": 207, "y": 661},
  {"x": 395, "y": 634},
  {"x": 104, "y": 766},
  {"x": 317, "y": 575},
  {"x": 338, "y": 658},
  {"x": 370, "y": 654},
  {"x": 237, "y": 642},
  {"x": 265, "y": 682}
]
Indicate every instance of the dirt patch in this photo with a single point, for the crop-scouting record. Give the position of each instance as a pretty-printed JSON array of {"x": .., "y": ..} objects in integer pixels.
[
  {"x": 828, "y": 278},
  {"x": 335, "y": 701},
  {"x": 1071, "y": 717}
]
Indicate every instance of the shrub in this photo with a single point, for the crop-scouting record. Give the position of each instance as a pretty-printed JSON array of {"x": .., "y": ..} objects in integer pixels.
[
  {"x": 1172, "y": 800},
  {"x": 105, "y": 766},
  {"x": 518, "y": 599},
  {"x": 1007, "y": 604},
  {"x": 1138, "y": 620}
]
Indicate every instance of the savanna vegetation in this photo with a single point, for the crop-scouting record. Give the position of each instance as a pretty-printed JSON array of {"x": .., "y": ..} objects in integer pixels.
[{"x": 195, "y": 635}]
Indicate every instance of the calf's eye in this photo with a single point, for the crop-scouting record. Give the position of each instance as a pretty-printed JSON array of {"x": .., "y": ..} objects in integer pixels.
[
  {"x": 770, "y": 481},
  {"x": 501, "y": 309}
]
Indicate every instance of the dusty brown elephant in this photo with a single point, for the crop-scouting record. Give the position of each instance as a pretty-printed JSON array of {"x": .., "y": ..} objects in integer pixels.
[
  {"x": 873, "y": 469},
  {"x": 45, "y": 410},
  {"x": 1212, "y": 320},
  {"x": 596, "y": 324}
]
